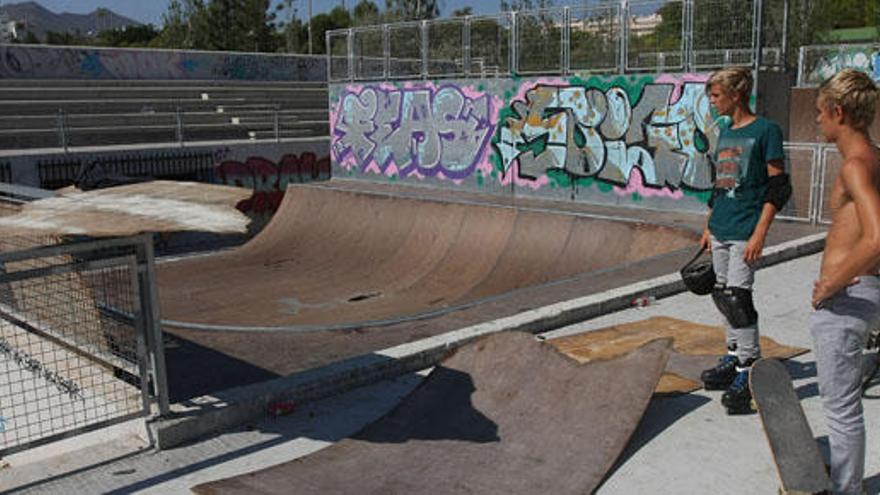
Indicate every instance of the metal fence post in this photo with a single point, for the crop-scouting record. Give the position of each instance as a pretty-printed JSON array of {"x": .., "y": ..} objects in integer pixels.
[
  {"x": 149, "y": 297},
  {"x": 802, "y": 58},
  {"x": 386, "y": 52},
  {"x": 179, "y": 118},
  {"x": 624, "y": 35},
  {"x": 62, "y": 129},
  {"x": 277, "y": 123},
  {"x": 350, "y": 49},
  {"x": 688, "y": 36},
  {"x": 424, "y": 48},
  {"x": 565, "y": 48},
  {"x": 514, "y": 45},
  {"x": 758, "y": 33},
  {"x": 466, "y": 52},
  {"x": 329, "y": 55}
]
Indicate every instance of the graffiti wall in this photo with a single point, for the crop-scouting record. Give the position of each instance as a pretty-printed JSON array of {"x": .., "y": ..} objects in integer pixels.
[
  {"x": 51, "y": 62},
  {"x": 832, "y": 59},
  {"x": 613, "y": 140}
]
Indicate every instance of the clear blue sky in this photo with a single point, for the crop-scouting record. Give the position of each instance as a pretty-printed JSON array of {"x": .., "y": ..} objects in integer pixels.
[{"x": 150, "y": 11}]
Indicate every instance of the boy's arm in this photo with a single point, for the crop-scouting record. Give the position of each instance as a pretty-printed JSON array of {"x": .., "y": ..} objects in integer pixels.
[
  {"x": 755, "y": 245},
  {"x": 859, "y": 183}
]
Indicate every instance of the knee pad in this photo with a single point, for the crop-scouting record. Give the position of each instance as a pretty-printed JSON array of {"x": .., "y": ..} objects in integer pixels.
[{"x": 736, "y": 305}]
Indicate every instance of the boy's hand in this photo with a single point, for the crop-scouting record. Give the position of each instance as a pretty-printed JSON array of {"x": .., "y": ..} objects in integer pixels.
[
  {"x": 753, "y": 249},
  {"x": 706, "y": 240}
]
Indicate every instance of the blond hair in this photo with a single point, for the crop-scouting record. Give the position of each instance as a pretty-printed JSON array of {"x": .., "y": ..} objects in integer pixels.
[
  {"x": 734, "y": 80},
  {"x": 855, "y": 93}
]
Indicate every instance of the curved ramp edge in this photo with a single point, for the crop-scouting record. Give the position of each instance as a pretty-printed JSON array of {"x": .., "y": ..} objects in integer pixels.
[{"x": 506, "y": 414}]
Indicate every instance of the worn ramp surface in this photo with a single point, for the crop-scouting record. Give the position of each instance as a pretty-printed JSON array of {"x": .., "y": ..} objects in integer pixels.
[
  {"x": 695, "y": 347},
  {"x": 504, "y": 415},
  {"x": 334, "y": 258},
  {"x": 155, "y": 206}
]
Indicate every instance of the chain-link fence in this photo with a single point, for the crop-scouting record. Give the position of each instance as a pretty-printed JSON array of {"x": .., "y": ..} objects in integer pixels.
[
  {"x": 819, "y": 62},
  {"x": 80, "y": 347},
  {"x": 625, "y": 36}
]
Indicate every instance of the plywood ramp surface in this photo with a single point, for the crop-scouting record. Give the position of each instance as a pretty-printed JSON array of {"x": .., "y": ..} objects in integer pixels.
[
  {"x": 695, "y": 347},
  {"x": 504, "y": 415},
  {"x": 333, "y": 257}
]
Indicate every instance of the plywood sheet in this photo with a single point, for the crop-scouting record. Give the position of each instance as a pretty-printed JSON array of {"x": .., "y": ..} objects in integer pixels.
[
  {"x": 157, "y": 206},
  {"x": 504, "y": 415},
  {"x": 695, "y": 347}
]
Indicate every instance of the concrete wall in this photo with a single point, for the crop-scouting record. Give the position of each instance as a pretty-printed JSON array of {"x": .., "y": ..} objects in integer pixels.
[
  {"x": 54, "y": 62},
  {"x": 636, "y": 140}
]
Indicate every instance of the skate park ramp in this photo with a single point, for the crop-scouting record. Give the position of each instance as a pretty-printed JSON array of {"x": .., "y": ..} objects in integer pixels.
[
  {"x": 695, "y": 348},
  {"x": 336, "y": 258},
  {"x": 503, "y": 415}
]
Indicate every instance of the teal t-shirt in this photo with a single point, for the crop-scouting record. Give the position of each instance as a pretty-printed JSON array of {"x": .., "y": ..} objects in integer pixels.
[{"x": 741, "y": 177}]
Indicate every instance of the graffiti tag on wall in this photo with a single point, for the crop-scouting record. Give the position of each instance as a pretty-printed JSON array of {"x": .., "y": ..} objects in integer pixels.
[
  {"x": 431, "y": 131},
  {"x": 865, "y": 59},
  {"x": 269, "y": 180},
  {"x": 33, "y": 61},
  {"x": 588, "y": 132}
]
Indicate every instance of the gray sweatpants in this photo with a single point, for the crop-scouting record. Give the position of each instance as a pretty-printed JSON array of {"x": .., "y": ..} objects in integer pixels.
[
  {"x": 732, "y": 271},
  {"x": 840, "y": 327}
]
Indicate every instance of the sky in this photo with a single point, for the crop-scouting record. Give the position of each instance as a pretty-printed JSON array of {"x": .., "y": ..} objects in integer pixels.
[{"x": 150, "y": 11}]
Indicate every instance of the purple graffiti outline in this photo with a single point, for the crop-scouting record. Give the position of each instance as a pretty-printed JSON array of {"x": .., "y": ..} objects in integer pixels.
[{"x": 415, "y": 165}]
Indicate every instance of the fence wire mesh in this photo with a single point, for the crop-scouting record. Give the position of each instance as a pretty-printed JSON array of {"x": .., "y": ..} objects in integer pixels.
[
  {"x": 594, "y": 39},
  {"x": 446, "y": 47},
  {"x": 490, "y": 45},
  {"x": 654, "y": 35},
  {"x": 405, "y": 49},
  {"x": 69, "y": 343},
  {"x": 539, "y": 41}
]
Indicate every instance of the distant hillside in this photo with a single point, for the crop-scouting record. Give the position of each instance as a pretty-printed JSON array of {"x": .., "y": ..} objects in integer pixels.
[{"x": 39, "y": 20}]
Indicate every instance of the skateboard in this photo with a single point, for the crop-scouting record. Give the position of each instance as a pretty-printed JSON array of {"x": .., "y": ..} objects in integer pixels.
[{"x": 794, "y": 449}]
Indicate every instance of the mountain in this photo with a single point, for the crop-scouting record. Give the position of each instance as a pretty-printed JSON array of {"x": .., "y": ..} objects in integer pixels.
[{"x": 39, "y": 20}]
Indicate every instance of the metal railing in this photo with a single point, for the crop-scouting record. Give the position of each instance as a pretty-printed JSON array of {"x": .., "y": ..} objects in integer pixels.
[
  {"x": 819, "y": 62},
  {"x": 185, "y": 165},
  {"x": 813, "y": 168},
  {"x": 5, "y": 172},
  {"x": 617, "y": 37},
  {"x": 80, "y": 342}
]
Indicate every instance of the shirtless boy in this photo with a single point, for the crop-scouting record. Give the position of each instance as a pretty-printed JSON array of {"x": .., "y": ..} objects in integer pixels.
[{"x": 846, "y": 297}]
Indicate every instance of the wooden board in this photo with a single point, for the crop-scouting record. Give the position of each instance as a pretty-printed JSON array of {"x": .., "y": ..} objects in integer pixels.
[
  {"x": 695, "y": 348},
  {"x": 504, "y": 415}
]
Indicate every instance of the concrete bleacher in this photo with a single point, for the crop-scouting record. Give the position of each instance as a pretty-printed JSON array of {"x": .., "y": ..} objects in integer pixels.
[{"x": 46, "y": 113}]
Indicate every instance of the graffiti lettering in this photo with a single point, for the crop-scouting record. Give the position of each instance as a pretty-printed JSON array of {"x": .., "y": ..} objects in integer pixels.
[
  {"x": 589, "y": 132},
  {"x": 431, "y": 131},
  {"x": 269, "y": 180}
]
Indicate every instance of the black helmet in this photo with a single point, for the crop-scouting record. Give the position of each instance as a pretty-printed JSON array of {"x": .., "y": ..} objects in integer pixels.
[{"x": 699, "y": 277}]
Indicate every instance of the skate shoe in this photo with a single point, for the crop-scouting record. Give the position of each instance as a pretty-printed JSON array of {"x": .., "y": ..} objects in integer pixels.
[
  {"x": 738, "y": 397},
  {"x": 721, "y": 376}
]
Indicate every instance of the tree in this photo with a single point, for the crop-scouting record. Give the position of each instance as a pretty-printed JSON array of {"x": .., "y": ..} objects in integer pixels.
[
  {"x": 365, "y": 13},
  {"x": 411, "y": 10},
  {"x": 130, "y": 36}
]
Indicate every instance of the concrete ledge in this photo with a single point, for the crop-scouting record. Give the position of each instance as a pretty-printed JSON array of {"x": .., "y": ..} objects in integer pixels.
[{"x": 211, "y": 414}]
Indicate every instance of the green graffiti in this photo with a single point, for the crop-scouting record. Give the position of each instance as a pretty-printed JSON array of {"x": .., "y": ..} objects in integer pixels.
[
  {"x": 605, "y": 187},
  {"x": 633, "y": 85},
  {"x": 636, "y": 197},
  {"x": 480, "y": 179}
]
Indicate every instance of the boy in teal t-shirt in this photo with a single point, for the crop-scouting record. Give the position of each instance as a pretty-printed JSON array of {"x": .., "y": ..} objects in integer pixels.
[{"x": 750, "y": 187}]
